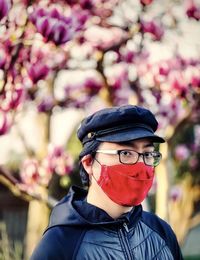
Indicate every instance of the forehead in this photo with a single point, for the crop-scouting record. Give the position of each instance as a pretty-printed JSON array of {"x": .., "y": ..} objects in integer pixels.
[{"x": 140, "y": 143}]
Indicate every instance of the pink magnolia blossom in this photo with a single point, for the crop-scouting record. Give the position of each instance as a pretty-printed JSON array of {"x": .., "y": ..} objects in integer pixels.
[
  {"x": 33, "y": 173},
  {"x": 76, "y": 96},
  {"x": 46, "y": 104},
  {"x": 192, "y": 10},
  {"x": 128, "y": 56},
  {"x": 37, "y": 14},
  {"x": 52, "y": 25},
  {"x": 157, "y": 95},
  {"x": 30, "y": 172},
  {"x": 38, "y": 71},
  {"x": 104, "y": 10},
  {"x": 120, "y": 90},
  {"x": 85, "y": 4},
  {"x": 169, "y": 112},
  {"x": 182, "y": 152},
  {"x": 195, "y": 81},
  {"x": 146, "y": 2},
  {"x": 118, "y": 81},
  {"x": 82, "y": 101},
  {"x": 79, "y": 20},
  {"x": 181, "y": 87},
  {"x": 4, "y": 8},
  {"x": 16, "y": 97},
  {"x": 152, "y": 28},
  {"x": 6, "y": 47},
  {"x": 59, "y": 32},
  {"x": 164, "y": 69},
  {"x": 11, "y": 99},
  {"x": 5, "y": 123},
  {"x": 176, "y": 193},
  {"x": 193, "y": 163},
  {"x": 121, "y": 96},
  {"x": 71, "y": 2},
  {"x": 58, "y": 161},
  {"x": 2, "y": 59},
  {"x": 102, "y": 37},
  {"x": 92, "y": 86},
  {"x": 80, "y": 94},
  {"x": 56, "y": 27}
]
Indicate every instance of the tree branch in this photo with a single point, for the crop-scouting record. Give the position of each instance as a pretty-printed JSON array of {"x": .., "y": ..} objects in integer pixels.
[{"x": 13, "y": 185}]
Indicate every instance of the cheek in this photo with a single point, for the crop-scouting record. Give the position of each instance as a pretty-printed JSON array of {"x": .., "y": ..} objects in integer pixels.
[
  {"x": 110, "y": 160},
  {"x": 96, "y": 171}
]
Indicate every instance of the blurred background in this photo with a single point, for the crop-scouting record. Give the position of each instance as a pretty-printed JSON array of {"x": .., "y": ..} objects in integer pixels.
[{"x": 63, "y": 60}]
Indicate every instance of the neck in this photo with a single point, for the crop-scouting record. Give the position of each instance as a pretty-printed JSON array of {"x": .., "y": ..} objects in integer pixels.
[{"x": 98, "y": 198}]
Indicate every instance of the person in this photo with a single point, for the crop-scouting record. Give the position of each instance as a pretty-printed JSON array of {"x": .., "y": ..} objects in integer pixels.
[{"x": 106, "y": 220}]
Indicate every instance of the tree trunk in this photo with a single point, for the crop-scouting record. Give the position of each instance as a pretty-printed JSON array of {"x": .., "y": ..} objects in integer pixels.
[
  {"x": 162, "y": 184},
  {"x": 38, "y": 217},
  {"x": 182, "y": 215}
]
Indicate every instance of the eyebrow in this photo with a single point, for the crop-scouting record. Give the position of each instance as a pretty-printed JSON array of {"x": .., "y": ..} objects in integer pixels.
[
  {"x": 132, "y": 144},
  {"x": 149, "y": 145}
]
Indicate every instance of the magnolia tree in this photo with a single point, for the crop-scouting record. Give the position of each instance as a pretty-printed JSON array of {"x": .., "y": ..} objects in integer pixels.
[{"x": 56, "y": 55}]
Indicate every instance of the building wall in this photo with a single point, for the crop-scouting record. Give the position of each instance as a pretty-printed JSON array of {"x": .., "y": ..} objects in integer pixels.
[{"x": 13, "y": 221}]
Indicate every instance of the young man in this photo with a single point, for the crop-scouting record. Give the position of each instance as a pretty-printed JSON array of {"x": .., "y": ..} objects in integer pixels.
[{"x": 107, "y": 221}]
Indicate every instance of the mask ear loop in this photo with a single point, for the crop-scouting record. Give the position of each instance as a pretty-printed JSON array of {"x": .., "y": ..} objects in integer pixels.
[
  {"x": 100, "y": 174},
  {"x": 97, "y": 161},
  {"x": 97, "y": 181}
]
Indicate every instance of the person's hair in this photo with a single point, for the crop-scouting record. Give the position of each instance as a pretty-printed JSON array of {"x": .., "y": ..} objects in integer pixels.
[{"x": 89, "y": 148}]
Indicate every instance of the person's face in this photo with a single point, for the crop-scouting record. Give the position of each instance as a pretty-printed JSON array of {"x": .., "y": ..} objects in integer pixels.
[{"x": 94, "y": 168}]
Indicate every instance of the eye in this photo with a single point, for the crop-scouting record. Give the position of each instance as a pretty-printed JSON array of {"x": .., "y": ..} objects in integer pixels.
[
  {"x": 156, "y": 155},
  {"x": 125, "y": 153},
  {"x": 149, "y": 154}
]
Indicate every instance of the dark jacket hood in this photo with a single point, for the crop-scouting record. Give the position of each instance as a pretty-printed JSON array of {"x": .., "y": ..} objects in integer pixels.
[{"x": 73, "y": 210}]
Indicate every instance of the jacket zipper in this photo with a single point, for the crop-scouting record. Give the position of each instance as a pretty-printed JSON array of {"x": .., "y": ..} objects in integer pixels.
[{"x": 123, "y": 231}]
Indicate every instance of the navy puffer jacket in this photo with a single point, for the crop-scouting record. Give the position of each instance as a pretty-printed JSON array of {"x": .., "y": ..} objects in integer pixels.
[{"x": 81, "y": 231}]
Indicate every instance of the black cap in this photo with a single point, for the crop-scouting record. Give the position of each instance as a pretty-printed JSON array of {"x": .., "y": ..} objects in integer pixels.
[{"x": 119, "y": 124}]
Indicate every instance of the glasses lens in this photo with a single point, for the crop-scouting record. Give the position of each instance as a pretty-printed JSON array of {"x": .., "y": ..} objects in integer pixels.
[
  {"x": 152, "y": 158},
  {"x": 131, "y": 157},
  {"x": 128, "y": 157}
]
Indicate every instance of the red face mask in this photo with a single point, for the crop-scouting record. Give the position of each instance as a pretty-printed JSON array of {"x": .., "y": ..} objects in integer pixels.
[{"x": 126, "y": 185}]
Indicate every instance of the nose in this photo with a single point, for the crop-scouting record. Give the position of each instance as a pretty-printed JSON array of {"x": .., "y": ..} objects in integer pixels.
[{"x": 140, "y": 158}]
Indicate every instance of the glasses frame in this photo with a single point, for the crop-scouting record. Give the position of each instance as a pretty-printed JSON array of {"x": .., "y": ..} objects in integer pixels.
[{"x": 118, "y": 152}]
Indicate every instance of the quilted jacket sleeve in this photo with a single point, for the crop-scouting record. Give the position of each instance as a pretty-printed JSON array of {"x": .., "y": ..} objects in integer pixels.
[
  {"x": 58, "y": 243},
  {"x": 165, "y": 231}
]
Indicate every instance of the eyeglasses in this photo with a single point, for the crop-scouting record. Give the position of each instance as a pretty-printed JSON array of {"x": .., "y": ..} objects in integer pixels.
[{"x": 127, "y": 156}]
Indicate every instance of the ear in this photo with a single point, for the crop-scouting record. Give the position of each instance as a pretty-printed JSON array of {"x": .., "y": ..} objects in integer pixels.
[{"x": 87, "y": 162}]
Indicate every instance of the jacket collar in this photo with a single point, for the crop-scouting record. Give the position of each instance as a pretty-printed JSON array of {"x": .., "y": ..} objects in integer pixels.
[{"x": 74, "y": 210}]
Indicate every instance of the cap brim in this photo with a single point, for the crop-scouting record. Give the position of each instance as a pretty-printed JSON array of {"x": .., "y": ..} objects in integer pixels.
[{"x": 130, "y": 135}]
